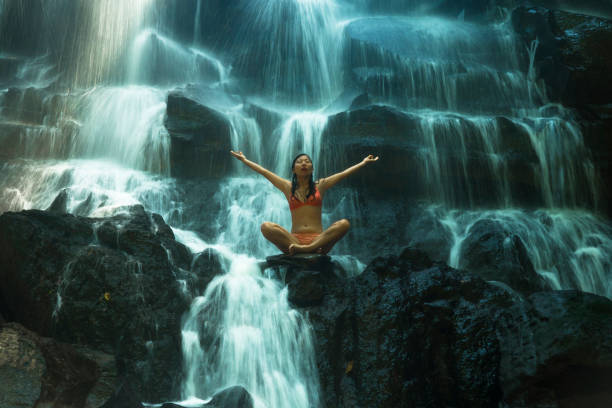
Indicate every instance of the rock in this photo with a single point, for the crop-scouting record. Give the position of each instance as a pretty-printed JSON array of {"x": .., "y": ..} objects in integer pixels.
[
  {"x": 385, "y": 130},
  {"x": 60, "y": 203},
  {"x": 22, "y": 366},
  {"x": 25, "y": 105},
  {"x": 107, "y": 380},
  {"x": 266, "y": 117},
  {"x": 412, "y": 332},
  {"x": 362, "y": 100},
  {"x": 41, "y": 371},
  {"x": 85, "y": 207},
  {"x": 571, "y": 61},
  {"x": 404, "y": 141},
  {"x": 126, "y": 396},
  {"x": 301, "y": 273},
  {"x": 8, "y": 68},
  {"x": 595, "y": 131},
  {"x": 33, "y": 124},
  {"x": 206, "y": 265},
  {"x": 494, "y": 253},
  {"x": 199, "y": 137},
  {"x": 410, "y": 62},
  {"x": 300, "y": 261},
  {"x": 567, "y": 360},
  {"x": 595, "y": 8},
  {"x": 118, "y": 294},
  {"x": 232, "y": 397},
  {"x": 570, "y": 57},
  {"x": 426, "y": 233},
  {"x": 26, "y": 140}
]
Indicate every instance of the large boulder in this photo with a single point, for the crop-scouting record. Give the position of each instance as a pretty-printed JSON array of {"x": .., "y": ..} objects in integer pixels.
[
  {"x": 22, "y": 367},
  {"x": 426, "y": 232},
  {"x": 494, "y": 253},
  {"x": 411, "y": 332},
  {"x": 597, "y": 8},
  {"x": 115, "y": 284},
  {"x": 572, "y": 60},
  {"x": 571, "y": 56},
  {"x": 450, "y": 154},
  {"x": 33, "y": 124},
  {"x": 200, "y": 138},
  {"x": 37, "y": 371},
  {"x": 231, "y": 397}
]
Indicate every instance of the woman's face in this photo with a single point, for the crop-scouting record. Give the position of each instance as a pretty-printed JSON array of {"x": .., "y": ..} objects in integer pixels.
[{"x": 302, "y": 166}]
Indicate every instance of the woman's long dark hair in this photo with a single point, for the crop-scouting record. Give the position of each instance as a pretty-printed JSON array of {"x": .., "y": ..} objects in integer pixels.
[{"x": 311, "y": 183}]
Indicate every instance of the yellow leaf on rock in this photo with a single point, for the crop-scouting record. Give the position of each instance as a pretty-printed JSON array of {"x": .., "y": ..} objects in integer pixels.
[
  {"x": 107, "y": 296},
  {"x": 349, "y": 366}
]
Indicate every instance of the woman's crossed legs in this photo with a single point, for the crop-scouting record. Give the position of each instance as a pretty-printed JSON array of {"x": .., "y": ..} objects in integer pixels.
[{"x": 290, "y": 243}]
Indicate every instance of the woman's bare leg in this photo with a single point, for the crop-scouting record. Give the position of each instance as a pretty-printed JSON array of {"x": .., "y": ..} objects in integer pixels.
[
  {"x": 324, "y": 242},
  {"x": 278, "y": 236}
]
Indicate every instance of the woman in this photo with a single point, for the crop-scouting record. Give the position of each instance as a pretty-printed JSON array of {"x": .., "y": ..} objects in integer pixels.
[{"x": 305, "y": 202}]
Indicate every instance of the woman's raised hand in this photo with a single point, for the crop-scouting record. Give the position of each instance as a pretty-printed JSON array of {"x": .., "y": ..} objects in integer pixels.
[
  {"x": 370, "y": 158},
  {"x": 238, "y": 155}
]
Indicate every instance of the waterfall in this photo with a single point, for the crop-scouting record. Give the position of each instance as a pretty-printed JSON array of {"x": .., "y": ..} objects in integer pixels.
[
  {"x": 156, "y": 59},
  {"x": 109, "y": 129},
  {"x": 258, "y": 341},
  {"x": 294, "y": 50},
  {"x": 301, "y": 132},
  {"x": 567, "y": 248},
  {"x": 82, "y": 124}
]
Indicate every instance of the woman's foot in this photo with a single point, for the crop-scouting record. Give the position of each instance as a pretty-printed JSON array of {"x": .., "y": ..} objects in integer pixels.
[{"x": 301, "y": 249}]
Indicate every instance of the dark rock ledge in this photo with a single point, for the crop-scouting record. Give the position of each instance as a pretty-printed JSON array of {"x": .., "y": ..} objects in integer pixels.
[
  {"x": 94, "y": 306},
  {"x": 409, "y": 332},
  {"x": 110, "y": 284}
]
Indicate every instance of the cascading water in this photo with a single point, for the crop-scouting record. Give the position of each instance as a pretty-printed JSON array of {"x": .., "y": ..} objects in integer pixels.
[
  {"x": 294, "y": 50},
  {"x": 84, "y": 119},
  {"x": 252, "y": 337}
]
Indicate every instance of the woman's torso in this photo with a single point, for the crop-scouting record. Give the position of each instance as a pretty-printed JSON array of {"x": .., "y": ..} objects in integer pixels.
[{"x": 306, "y": 217}]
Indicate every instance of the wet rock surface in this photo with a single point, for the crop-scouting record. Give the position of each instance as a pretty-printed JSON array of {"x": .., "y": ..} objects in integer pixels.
[
  {"x": 199, "y": 138},
  {"x": 570, "y": 55},
  {"x": 407, "y": 331},
  {"x": 401, "y": 138},
  {"x": 108, "y": 284},
  {"x": 494, "y": 253},
  {"x": 573, "y": 61},
  {"x": 231, "y": 397},
  {"x": 412, "y": 332},
  {"x": 39, "y": 371}
]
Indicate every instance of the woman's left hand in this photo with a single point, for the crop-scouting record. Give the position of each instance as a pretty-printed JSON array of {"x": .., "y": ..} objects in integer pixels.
[{"x": 369, "y": 159}]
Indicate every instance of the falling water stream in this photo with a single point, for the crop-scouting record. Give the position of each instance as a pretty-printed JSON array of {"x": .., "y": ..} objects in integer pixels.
[{"x": 99, "y": 140}]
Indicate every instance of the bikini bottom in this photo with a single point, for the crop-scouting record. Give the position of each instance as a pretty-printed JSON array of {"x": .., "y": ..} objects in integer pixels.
[{"x": 305, "y": 238}]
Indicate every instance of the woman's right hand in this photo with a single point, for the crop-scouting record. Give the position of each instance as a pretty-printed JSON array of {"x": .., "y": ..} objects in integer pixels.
[{"x": 238, "y": 155}]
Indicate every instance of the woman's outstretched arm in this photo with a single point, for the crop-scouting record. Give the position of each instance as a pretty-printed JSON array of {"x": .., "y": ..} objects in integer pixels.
[
  {"x": 277, "y": 181},
  {"x": 328, "y": 182}
]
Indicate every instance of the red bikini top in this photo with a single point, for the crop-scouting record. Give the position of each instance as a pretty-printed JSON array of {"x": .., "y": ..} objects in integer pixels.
[{"x": 314, "y": 199}]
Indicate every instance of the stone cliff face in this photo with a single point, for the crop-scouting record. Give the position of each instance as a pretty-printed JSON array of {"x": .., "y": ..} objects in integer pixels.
[
  {"x": 410, "y": 332},
  {"x": 571, "y": 61},
  {"x": 110, "y": 284},
  {"x": 405, "y": 332}
]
